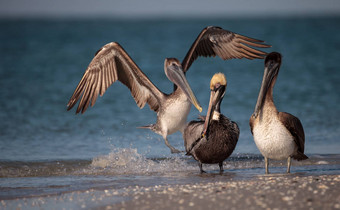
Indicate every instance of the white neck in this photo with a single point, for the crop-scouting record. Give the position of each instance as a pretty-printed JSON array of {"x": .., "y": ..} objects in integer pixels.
[{"x": 216, "y": 116}]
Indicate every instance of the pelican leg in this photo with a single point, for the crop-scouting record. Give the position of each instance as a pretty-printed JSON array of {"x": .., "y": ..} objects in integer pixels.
[
  {"x": 266, "y": 163},
  {"x": 201, "y": 168},
  {"x": 173, "y": 149},
  {"x": 288, "y": 164},
  {"x": 221, "y": 167}
]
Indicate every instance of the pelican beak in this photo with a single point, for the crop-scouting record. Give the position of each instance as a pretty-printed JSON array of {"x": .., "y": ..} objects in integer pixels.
[
  {"x": 176, "y": 75},
  {"x": 270, "y": 73},
  {"x": 215, "y": 98}
]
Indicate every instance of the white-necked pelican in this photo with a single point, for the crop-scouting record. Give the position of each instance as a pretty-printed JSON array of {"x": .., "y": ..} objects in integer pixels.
[
  {"x": 278, "y": 135},
  {"x": 212, "y": 139}
]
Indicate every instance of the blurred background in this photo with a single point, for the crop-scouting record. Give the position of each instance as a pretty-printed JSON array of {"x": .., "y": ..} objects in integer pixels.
[
  {"x": 135, "y": 9},
  {"x": 45, "y": 47}
]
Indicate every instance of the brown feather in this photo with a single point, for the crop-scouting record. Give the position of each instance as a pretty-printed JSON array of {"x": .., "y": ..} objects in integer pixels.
[
  {"x": 252, "y": 52},
  {"x": 214, "y": 41},
  {"x": 96, "y": 91},
  {"x": 251, "y": 124},
  {"x": 256, "y": 45},
  {"x": 294, "y": 126},
  {"x": 112, "y": 63},
  {"x": 250, "y": 39}
]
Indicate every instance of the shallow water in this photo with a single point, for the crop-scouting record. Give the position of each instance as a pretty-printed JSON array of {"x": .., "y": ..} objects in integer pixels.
[
  {"x": 46, "y": 150},
  {"x": 125, "y": 167}
]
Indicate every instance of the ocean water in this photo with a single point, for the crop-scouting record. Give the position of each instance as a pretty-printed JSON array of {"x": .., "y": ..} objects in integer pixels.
[{"x": 45, "y": 149}]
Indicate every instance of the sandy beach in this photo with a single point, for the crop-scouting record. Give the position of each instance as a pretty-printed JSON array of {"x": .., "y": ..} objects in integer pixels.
[
  {"x": 275, "y": 191},
  {"x": 263, "y": 192}
]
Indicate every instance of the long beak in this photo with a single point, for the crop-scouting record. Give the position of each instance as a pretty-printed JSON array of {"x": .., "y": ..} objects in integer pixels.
[
  {"x": 209, "y": 115},
  {"x": 215, "y": 97},
  {"x": 268, "y": 77},
  {"x": 176, "y": 75}
]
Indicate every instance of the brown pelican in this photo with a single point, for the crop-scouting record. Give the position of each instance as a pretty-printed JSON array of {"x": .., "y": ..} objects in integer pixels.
[
  {"x": 112, "y": 63},
  {"x": 213, "y": 139},
  {"x": 278, "y": 135}
]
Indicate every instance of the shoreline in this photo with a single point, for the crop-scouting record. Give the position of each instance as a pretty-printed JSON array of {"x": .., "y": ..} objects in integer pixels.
[
  {"x": 268, "y": 191},
  {"x": 273, "y": 191}
]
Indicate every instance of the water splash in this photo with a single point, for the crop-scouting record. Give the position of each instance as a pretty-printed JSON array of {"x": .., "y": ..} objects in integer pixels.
[{"x": 129, "y": 161}]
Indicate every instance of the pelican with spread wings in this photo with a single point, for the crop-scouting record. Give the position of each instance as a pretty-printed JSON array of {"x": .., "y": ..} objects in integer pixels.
[{"x": 112, "y": 63}]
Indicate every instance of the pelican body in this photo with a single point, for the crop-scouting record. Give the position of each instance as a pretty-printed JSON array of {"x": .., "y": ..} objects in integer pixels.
[
  {"x": 278, "y": 135},
  {"x": 212, "y": 139},
  {"x": 112, "y": 63}
]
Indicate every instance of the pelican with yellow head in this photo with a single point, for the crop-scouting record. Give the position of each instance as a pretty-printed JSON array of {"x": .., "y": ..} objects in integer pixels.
[{"x": 213, "y": 138}]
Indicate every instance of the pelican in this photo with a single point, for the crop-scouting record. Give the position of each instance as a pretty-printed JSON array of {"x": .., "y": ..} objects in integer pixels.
[
  {"x": 213, "y": 139},
  {"x": 278, "y": 135},
  {"x": 112, "y": 63}
]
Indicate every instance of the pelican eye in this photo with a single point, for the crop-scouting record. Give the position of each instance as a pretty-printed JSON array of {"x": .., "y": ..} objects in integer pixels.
[
  {"x": 271, "y": 64},
  {"x": 217, "y": 86},
  {"x": 174, "y": 65}
]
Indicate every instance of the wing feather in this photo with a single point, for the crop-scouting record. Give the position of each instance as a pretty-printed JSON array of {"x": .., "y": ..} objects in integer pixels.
[
  {"x": 90, "y": 92},
  {"x": 112, "y": 63},
  {"x": 192, "y": 132},
  {"x": 250, "y": 51},
  {"x": 215, "y": 41},
  {"x": 251, "y": 124},
  {"x": 82, "y": 100},
  {"x": 96, "y": 91},
  {"x": 294, "y": 126}
]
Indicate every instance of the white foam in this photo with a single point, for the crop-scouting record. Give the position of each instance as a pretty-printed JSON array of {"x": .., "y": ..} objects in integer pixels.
[
  {"x": 129, "y": 161},
  {"x": 322, "y": 162}
]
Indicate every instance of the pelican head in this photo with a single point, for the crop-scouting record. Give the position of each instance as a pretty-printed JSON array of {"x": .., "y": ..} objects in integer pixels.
[
  {"x": 218, "y": 85},
  {"x": 174, "y": 71},
  {"x": 272, "y": 65}
]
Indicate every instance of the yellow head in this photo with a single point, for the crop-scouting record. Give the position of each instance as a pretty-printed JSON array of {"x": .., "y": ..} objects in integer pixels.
[{"x": 218, "y": 78}]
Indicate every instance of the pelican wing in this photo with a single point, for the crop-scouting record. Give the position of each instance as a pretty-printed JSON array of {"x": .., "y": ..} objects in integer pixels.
[
  {"x": 192, "y": 134},
  {"x": 294, "y": 126},
  {"x": 251, "y": 124},
  {"x": 112, "y": 63},
  {"x": 214, "y": 41}
]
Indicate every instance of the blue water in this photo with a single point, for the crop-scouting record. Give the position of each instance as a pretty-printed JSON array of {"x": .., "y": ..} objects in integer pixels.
[{"x": 42, "y": 61}]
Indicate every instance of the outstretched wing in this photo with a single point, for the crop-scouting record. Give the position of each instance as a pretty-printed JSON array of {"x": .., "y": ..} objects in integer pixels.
[
  {"x": 214, "y": 41},
  {"x": 112, "y": 63}
]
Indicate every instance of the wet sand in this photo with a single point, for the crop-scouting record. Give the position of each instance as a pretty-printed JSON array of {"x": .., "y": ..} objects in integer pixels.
[
  {"x": 274, "y": 191},
  {"x": 262, "y": 192}
]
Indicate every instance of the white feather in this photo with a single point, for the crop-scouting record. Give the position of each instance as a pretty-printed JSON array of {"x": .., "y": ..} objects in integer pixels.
[
  {"x": 174, "y": 118},
  {"x": 216, "y": 116},
  {"x": 273, "y": 139}
]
